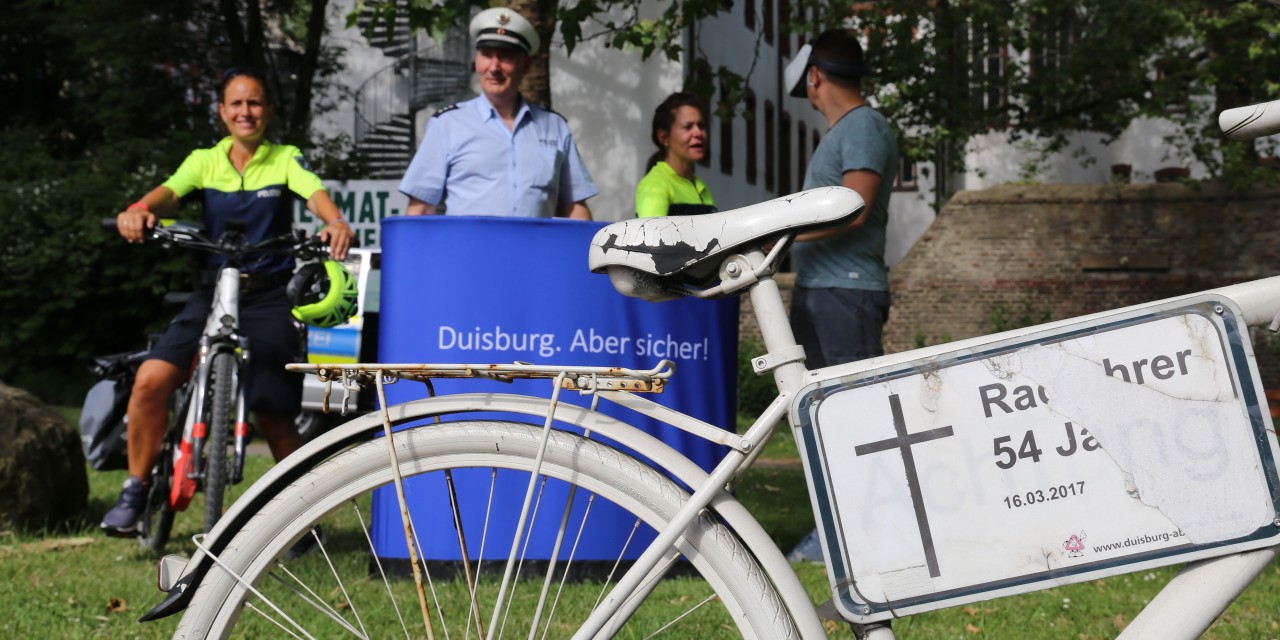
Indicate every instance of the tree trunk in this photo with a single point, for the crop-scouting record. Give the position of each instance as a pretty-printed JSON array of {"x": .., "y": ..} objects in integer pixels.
[
  {"x": 300, "y": 120},
  {"x": 253, "y": 28},
  {"x": 536, "y": 86},
  {"x": 235, "y": 32}
]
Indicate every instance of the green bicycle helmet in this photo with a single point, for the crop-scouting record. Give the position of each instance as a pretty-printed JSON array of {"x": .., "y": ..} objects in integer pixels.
[{"x": 323, "y": 294}]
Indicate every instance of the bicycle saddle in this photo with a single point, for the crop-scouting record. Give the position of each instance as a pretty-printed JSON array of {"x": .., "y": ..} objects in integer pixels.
[{"x": 653, "y": 258}]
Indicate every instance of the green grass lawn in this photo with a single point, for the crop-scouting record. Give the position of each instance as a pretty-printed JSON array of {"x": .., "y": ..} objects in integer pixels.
[{"x": 79, "y": 584}]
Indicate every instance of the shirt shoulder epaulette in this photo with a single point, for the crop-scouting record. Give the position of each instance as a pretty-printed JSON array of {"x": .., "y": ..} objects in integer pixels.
[
  {"x": 548, "y": 110},
  {"x": 452, "y": 107}
]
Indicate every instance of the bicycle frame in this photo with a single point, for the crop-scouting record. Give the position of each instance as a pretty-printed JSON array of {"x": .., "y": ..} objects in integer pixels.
[
  {"x": 1182, "y": 609},
  {"x": 1186, "y": 607},
  {"x": 220, "y": 335}
]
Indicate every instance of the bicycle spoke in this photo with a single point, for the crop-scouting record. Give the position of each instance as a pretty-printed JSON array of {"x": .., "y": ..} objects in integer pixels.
[
  {"x": 250, "y": 606},
  {"x": 682, "y": 616},
  {"x": 338, "y": 579},
  {"x": 528, "y": 498},
  {"x": 524, "y": 551},
  {"x": 637, "y": 597},
  {"x": 604, "y": 588},
  {"x": 551, "y": 567},
  {"x": 312, "y": 599},
  {"x": 364, "y": 528},
  {"x": 431, "y": 585},
  {"x": 198, "y": 539},
  {"x": 572, "y": 553},
  {"x": 462, "y": 545}
]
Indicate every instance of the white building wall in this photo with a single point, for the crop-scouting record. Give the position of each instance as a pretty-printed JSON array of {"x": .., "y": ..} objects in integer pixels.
[
  {"x": 992, "y": 159},
  {"x": 359, "y": 62},
  {"x": 608, "y": 97}
]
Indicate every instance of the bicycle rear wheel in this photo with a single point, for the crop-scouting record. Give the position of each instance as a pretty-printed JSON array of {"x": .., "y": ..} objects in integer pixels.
[
  {"x": 217, "y": 469},
  {"x": 721, "y": 590},
  {"x": 156, "y": 520},
  {"x": 157, "y": 517}
]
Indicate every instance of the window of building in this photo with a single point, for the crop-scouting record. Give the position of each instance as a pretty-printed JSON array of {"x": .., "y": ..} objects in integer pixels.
[
  {"x": 784, "y": 34},
  {"x": 1172, "y": 174},
  {"x": 749, "y": 101},
  {"x": 1122, "y": 173},
  {"x": 907, "y": 178},
  {"x": 768, "y": 21},
  {"x": 986, "y": 62},
  {"x": 749, "y": 14},
  {"x": 802, "y": 158},
  {"x": 784, "y": 158},
  {"x": 726, "y": 135},
  {"x": 770, "y": 147},
  {"x": 801, "y": 16},
  {"x": 1053, "y": 36}
]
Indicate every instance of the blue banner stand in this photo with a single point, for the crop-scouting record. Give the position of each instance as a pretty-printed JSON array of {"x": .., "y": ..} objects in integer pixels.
[{"x": 474, "y": 290}]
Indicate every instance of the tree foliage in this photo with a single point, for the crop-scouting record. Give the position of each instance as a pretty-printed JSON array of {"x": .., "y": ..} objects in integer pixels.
[
  {"x": 948, "y": 70},
  {"x": 1040, "y": 71},
  {"x": 106, "y": 99}
]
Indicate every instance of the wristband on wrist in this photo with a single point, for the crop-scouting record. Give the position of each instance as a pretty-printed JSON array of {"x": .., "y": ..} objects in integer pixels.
[
  {"x": 338, "y": 220},
  {"x": 139, "y": 206}
]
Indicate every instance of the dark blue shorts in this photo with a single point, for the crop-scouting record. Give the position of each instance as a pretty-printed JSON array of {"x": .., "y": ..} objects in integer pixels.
[
  {"x": 274, "y": 341},
  {"x": 836, "y": 326}
]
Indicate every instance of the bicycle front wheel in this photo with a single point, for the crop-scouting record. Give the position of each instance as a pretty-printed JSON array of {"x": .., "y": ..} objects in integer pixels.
[
  {"x": 216, "y": 468},
  {"x": 713, "y": 586}
]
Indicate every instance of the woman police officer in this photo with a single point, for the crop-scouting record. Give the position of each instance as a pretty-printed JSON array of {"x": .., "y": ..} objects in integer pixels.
[{"x": 251, "y": 180}]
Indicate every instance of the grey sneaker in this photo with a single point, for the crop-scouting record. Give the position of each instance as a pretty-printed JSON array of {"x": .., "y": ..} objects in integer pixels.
[
  {"x": 122, "y": 519},
  {"x": 809, "y": 549}
]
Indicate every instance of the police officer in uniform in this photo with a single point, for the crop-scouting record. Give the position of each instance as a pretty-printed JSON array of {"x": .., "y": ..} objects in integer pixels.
[{"x": 497, "y": 154}]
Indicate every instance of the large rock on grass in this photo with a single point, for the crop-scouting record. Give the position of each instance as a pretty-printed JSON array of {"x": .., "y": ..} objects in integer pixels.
[{"x": 43, "y": 481}]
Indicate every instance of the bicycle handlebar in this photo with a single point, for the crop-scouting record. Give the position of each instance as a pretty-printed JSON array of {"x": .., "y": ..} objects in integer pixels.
[
  {"x": 1254, "y": 121},
  {"x": 232, "y": 244}
]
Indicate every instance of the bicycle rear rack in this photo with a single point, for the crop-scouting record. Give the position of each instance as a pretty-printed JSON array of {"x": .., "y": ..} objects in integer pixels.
[{"x": 586, "y": 380}]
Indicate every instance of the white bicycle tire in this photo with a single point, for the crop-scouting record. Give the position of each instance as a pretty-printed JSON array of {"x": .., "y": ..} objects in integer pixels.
[{"x": 714, "y": 550}]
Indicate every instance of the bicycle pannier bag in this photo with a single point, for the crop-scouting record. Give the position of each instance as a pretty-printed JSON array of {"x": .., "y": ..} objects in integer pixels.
[{"x": 102, "y": 428}]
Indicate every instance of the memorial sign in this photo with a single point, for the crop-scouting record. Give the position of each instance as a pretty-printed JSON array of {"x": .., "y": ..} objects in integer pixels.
[{"x": 1129, "y": 441}]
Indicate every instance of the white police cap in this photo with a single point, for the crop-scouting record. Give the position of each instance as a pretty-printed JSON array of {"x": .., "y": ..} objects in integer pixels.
[{"x": 502, "y": 27}]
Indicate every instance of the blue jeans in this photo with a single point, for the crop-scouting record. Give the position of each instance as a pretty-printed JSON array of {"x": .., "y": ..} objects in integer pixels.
[{"x": 836, "y": 326}]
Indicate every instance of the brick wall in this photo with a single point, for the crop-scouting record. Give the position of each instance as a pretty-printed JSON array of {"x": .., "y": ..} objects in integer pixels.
[{"x": 1013, "y": 256}]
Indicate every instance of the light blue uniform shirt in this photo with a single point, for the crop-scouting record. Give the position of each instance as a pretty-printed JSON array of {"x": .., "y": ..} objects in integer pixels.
[{"x": 470, "y": 160}]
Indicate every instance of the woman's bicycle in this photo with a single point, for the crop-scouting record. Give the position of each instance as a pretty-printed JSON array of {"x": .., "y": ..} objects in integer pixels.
[
  {"x": 998, "y": 465},
  {"x": 205, "y": 443}
]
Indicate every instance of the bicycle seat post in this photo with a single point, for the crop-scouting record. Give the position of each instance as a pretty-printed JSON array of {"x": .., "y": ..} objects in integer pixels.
[{"x": 783, "y": 356}]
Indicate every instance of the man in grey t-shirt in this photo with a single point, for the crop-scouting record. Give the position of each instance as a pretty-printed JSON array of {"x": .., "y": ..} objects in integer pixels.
[{"x": 841, "y": 299}]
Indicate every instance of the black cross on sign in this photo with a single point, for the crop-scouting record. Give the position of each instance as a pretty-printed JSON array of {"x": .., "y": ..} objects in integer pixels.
[{"x": 903, "y": 443}]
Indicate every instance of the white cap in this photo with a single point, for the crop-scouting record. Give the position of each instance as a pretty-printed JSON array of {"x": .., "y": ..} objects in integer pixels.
[
  {"x": 793, "y": 75},
  {"x": 503, "y": 27}
]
